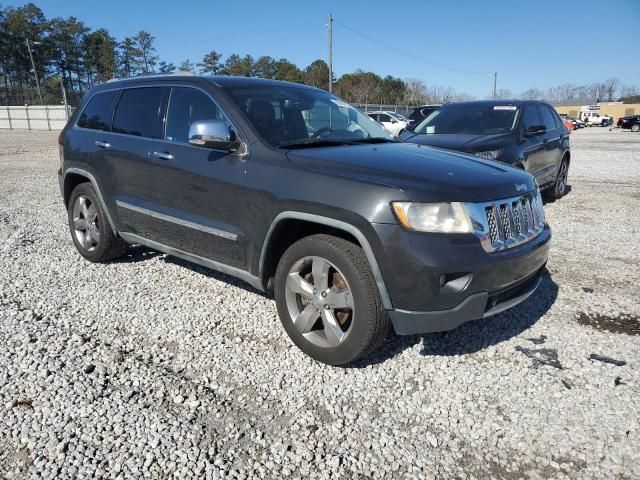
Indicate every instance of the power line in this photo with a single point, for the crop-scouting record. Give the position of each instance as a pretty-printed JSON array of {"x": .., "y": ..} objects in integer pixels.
[{"x": 408, "y": 54}]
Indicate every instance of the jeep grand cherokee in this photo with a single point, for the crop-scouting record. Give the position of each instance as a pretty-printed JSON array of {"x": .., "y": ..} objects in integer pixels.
[{"x": 291, "y": 189}]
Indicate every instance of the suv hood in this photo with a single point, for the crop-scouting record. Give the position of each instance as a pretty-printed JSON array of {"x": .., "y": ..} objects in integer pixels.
[
  {"x": 423, "y": 173},
  {"x": 461, "y": 142}
]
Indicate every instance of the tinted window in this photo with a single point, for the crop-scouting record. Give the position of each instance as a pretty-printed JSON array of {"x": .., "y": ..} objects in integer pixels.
[
  {"x": 547, "y": 117},
  {"x": 97, "y": 114},
  {"x": 531, "y": 117},
  {"x": 188, "y": 105},
  {"x": 137, "y": 112},
  {"x": 384, "y": 117}
]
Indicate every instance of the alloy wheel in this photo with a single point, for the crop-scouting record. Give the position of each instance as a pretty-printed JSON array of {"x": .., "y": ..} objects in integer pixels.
[
  {"x": 562, "y": 177},
  {"x": 85, "y": 223},
  {"x": 319, "y": 301}
]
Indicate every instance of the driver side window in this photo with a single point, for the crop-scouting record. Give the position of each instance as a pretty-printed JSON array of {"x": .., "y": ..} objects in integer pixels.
[{"x": 188, "y": 105}]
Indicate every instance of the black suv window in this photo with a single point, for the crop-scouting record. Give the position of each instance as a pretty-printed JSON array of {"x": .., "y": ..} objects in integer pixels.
[
  {"x": 547, "y": 118},
  {"x": 137, "y": 112},
  {"x": 97, "y": 114},
  {"x": 531, "y": 117},
  {"x": 188, "y": 105}
]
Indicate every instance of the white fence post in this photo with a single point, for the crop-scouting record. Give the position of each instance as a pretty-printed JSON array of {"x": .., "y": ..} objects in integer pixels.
[
  {"x": 46, "y": 111},
  {"x": 9, "y": 117},
  {"x": 26, "y": 111}
]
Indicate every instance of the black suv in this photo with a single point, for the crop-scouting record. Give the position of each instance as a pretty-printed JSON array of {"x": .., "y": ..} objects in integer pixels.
[
  {"x": 526, "y": 134},
  {"x": 420, "y": 113},
  {"x": 291, "y": 189}
]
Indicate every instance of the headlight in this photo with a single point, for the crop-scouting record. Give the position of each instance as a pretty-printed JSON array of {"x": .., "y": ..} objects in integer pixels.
[
  {"x": 489, "y": 154},
  {"x": 433, "y": 217}
]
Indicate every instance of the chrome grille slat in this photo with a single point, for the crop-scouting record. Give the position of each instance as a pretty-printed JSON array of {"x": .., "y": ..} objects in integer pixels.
[{"x": 507, "y": 223}]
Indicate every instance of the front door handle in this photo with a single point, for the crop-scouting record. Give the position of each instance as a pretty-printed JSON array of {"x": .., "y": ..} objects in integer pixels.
[
  {"x": 163, "y": 155},
  {"x": 102, "y": 144}
]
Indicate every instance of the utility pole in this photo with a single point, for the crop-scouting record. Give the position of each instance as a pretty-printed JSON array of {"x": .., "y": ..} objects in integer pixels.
[
  {"x": 495, "y": 81},
  {"x": 35, "y": 72},
  {"x": 64, "y": 99},
  {"x": 330, "y": 25}
]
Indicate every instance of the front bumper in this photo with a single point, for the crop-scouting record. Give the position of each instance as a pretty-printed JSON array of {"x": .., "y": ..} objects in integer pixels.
[
  {"x": 477, "y": 283},
  {"x": 474, "y": 307}
]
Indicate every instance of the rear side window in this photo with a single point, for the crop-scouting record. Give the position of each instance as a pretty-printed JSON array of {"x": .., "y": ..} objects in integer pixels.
[
  {"x": 188, "y": 105},
  {"x": 97, "y": 114},
  {"x": 384, "y": 117},
  {"x": 531, "y": 117},
  {"x": 138, "y": 112},
  {"x": 547, "y": 117}
]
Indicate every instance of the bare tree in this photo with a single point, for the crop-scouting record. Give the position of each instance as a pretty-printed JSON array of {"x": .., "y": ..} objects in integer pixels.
[
  {"x": 416, "y": 91},
  {"x": 611, "y": 86},
  {"x": 532, "y": 94}
]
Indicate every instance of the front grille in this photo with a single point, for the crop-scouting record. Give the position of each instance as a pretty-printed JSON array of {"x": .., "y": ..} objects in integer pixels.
[{"x": 507, "y": 223}]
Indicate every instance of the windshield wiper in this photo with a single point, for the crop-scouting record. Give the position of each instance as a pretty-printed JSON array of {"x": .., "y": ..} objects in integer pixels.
[
  {"x": 326, "y": 142},
  {"x": 312, "y": 142},
  {"x": 375, "y": 140}
]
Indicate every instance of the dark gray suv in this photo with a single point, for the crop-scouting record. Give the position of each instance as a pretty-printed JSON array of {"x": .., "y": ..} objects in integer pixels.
[{"x": 294, "y": 191}]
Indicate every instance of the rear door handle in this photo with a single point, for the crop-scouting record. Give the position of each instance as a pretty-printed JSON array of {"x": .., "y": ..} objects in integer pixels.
[
  {"x": 163, "y": 155},
  {"x": 102, "y": 144}
]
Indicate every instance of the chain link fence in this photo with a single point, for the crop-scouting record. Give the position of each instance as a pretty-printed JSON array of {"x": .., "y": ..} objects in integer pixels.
[
  {"x": 34, "y": 117},
  {"x": 374, "y": 107}
]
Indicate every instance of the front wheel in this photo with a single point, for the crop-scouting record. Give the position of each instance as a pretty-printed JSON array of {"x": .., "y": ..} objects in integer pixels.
[
  {"x": 635, "y": 128},
  {"x": 328, "y": 301}
]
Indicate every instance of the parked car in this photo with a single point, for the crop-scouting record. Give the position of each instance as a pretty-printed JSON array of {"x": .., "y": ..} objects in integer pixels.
[
  {"x": 394, "y": 123},
  {"x": 631, "y": 122},
  {"x": 420, "y": 113},
  {"x": 523, "y": 133},
  {"x": 291, "y": 189},
  {"x": 596, "y": 119},
  {"x": 575, "y": 124}
]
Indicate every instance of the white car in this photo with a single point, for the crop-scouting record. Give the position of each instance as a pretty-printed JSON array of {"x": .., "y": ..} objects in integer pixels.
[{"x": 393, "y": 122}]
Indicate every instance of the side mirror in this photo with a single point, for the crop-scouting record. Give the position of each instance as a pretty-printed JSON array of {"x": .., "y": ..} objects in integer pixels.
[
  {"x": 534, "y": 130},
  {"x": 213, "y": 134}
]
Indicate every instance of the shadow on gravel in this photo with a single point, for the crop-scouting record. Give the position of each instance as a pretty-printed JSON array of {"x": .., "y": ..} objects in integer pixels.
[
  {"x": 215, "y": 275},
  {"x": 136, "y": 254},
  {"x": 473, "y": 336}
]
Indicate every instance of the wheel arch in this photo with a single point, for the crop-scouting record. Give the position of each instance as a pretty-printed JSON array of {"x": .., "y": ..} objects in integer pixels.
[
  {"x": 74, "y": 177},
  {"x": 289, "y": 227}
]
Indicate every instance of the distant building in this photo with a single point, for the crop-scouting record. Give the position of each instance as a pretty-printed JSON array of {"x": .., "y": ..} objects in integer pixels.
[{"x": 615, "y": 109}]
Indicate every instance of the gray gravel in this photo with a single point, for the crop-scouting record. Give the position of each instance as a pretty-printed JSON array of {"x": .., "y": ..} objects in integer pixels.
[{"x": 152, "y": 367}]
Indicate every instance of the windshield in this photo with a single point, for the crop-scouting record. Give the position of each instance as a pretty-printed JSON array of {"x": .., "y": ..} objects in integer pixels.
[
  {"x": 470, "y": 119},
  {"x": 286, "y": 116}
]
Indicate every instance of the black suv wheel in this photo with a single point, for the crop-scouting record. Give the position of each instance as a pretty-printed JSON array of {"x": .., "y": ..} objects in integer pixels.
[
  {"x": 560, "y": 187},
  {"x": 90, "y": 229},
  {"x": 328, "y": 301}
]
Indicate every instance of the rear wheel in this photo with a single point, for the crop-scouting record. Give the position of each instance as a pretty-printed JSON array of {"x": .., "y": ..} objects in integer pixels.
[
  {"x": 328, "y": 301},
  {"x": 90, "y": 230},
  {"x": 635, "y": 128},
  {"x": 560, "y": 187}
]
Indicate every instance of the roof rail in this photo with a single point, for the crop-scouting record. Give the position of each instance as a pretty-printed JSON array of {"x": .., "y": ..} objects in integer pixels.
[{"x": 155, "y": 74}]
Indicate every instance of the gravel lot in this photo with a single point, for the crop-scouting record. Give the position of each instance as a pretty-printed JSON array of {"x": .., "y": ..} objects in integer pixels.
[{"x": 151, "y": 367}]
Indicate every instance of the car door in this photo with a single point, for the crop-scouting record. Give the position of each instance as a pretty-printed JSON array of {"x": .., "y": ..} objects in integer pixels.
[
  {"x": 194, "y": 196},
  {"x": 386, "y": 121},
  {"x": 125, "y": 150},
  {"x": 553, "y": 140},
  {"x": 533, "y": 148}
]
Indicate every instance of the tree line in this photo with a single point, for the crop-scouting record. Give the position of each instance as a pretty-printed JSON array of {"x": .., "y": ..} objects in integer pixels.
[{"x": 65, "y": 50}]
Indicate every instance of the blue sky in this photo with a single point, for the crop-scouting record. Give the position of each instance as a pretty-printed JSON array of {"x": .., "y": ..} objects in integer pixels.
[{"x": 530, "y": 44}]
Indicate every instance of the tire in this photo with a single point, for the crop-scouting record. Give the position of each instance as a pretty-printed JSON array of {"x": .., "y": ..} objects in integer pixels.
[
  {"x": 332, "y": 333},
  {"x": 559, "y": 188},
  {"x": 635, "y": 128},
  {"x": 90, "y": 229}
]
